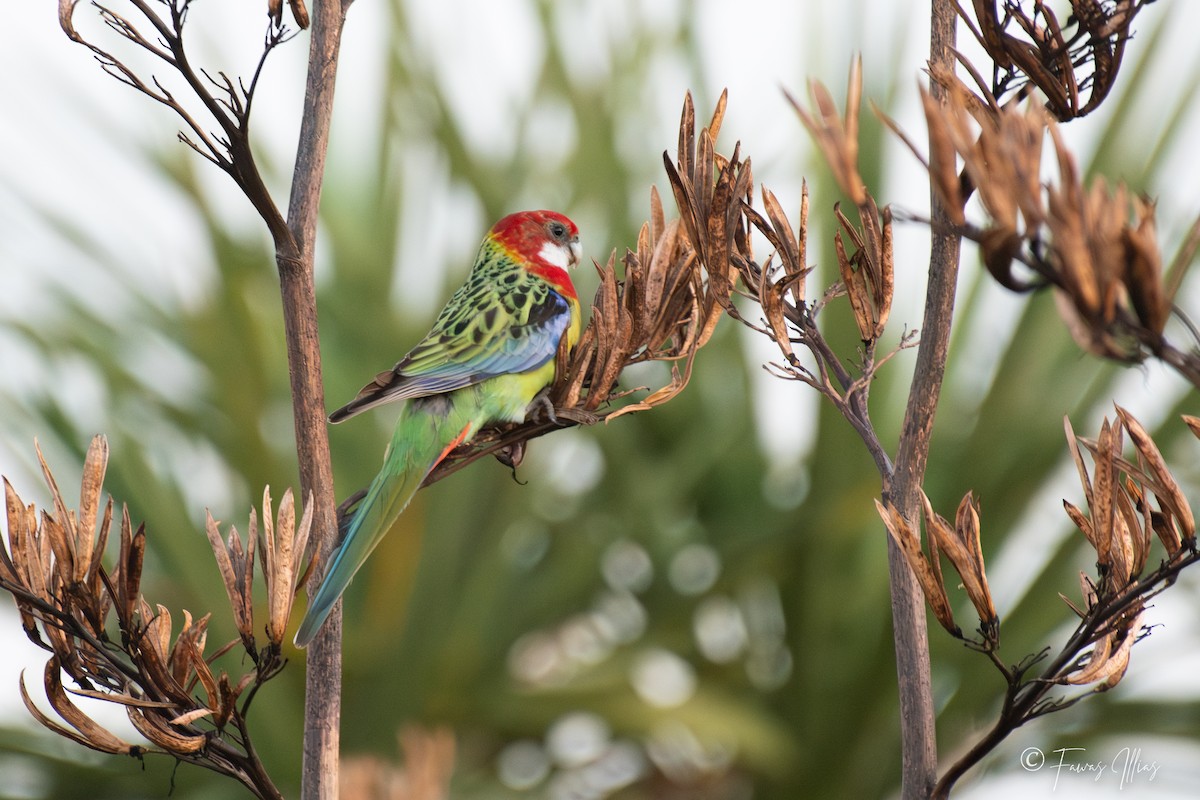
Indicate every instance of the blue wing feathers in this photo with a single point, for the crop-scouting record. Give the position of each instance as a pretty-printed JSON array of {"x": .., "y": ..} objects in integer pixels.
[{"x": 506, "y": 350}]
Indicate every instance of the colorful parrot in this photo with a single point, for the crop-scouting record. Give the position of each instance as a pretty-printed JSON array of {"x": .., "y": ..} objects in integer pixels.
[{"x": 489, "y": 356}]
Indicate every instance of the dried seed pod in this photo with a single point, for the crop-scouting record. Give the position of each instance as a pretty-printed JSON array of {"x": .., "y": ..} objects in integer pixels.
[
  {"x": 1165, "y": 488},
  {"x": 283, "y": 549},
  {"x": 838, "y": 137},
  {"x": 237, "y": 573},
  {"x": 966, "y": 529},
  {"x": 926, "y": 568},
  {"x": 960, "y": 542},
  {"x": 1109, "y": 658},
  {"x": 99, "y": 739},
  {"x": 85, "y": 552},
  {"x": 161, "y": 733}
]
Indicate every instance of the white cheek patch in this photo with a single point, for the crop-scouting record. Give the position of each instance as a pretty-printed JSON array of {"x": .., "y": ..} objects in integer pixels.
[{"x": 555, "y": 254}]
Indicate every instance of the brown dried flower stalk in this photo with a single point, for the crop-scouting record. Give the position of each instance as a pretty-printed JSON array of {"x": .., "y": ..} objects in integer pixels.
[
  {"x": 1096, "y": 246},
  {"x": 1131, "y": 501},
  {"x": 215, "y": 111},
  {"x": 789, "y": 318},
  {"x": 115, "y": 646},
  {"x": 1123, "y": 522},
  {"x": 674, "y": 289},
  {"x": 1074, "y": 64},
  {"x": 867, "y": 273}
]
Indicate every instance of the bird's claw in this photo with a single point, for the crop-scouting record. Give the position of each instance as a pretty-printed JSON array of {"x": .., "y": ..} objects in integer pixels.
[
  {"x": 511, "y": 456},
  {"x": 541, "y": 407}
]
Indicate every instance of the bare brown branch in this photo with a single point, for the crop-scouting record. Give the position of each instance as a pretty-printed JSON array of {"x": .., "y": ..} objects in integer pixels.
[{"x": 226, "y": 103}]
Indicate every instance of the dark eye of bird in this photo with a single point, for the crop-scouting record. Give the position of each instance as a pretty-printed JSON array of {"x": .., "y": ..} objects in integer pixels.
[{"x": 557, "y": 230}]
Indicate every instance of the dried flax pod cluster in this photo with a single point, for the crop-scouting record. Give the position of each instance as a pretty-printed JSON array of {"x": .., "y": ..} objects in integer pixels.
[
  {"x": 1131, "y": 501},
  {"x": 867, "y": 272},
  {"x": 1096, "y": 246},
  {"x": 1064, "y": 61},
  {"x": 779, "y": 290},
  {"x": 960, "y": 542},
  {"x": 116, "y": 647}
]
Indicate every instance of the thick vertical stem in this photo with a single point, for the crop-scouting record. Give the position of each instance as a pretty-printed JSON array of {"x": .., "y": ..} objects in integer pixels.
[
  {"x": 322, "y": 706},
  {"x": 323, "y": 679},
  {"x": 919, "y": 736},
  {"x": 911, "y": 639}
]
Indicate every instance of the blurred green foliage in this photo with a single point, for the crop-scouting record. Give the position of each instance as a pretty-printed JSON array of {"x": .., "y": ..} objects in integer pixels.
[{"x": 660, "y": 592}]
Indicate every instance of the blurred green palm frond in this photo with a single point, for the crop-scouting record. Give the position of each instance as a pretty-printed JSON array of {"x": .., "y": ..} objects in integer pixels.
[{"x": 663, "y": 609}]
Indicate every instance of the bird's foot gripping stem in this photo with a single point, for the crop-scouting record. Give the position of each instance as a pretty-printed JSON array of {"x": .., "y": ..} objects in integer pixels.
[{"x": 540, "y": 409}]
